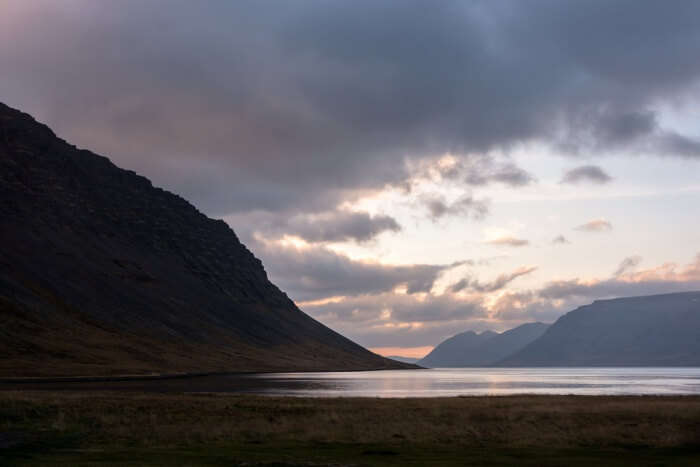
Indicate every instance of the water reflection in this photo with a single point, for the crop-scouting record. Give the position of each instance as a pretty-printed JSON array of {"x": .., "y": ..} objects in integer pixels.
[
  {"x": 482, "y": 381},
  {"x": 411, "y": 383}
]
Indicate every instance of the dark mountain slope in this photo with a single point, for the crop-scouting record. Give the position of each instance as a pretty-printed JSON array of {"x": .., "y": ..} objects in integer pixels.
[
  {"x": 657, "y": 330},
  {"x": 466, "y": 353},
  {"x": 451, "y": 352},
  {"x": 403, "y": 359},
  {"x": 100, "y": 272},
  {"x": 505, "y": 344}
]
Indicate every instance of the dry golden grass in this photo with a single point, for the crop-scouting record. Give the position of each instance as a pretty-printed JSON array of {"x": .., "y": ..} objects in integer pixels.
[{"x": 513, "y": 421}]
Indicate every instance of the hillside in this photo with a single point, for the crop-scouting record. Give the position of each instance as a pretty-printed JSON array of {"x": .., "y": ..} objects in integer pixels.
[
  {"x": 469, "y": 349},
  {"x": 657, "y": 330},
  {"x": 102, "y": 273},
  {"x": 451, "y": 352}
]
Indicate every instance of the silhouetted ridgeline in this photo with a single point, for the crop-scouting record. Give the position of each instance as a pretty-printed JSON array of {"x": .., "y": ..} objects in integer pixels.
[
  {"x": 484, "y": 349},
  {"x": 656, "y": 330},
  {"x": 100, "y": 272}
]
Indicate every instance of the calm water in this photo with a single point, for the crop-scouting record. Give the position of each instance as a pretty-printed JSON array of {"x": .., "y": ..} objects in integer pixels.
[
  {"x": 411, "y": 383},
  {"x": 480, "y": 381}
]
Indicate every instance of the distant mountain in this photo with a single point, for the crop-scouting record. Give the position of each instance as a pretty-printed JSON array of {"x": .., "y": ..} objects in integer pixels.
[
  {"x": 103, "y": 273},
  {"x": 451, "y": 352},
  {"x": 505, "y": 344},
  {"x": 471, "y": 349},
  {"x": 404, "y": 359},
  {"x": 656, "y": 330}
]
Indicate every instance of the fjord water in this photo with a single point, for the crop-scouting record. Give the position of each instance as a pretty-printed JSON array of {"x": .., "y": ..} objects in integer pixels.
[{"x": 481, "y": 381}]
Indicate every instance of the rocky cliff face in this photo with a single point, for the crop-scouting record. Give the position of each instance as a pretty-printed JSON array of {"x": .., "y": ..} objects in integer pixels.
[{"x": 101, "y": 272}]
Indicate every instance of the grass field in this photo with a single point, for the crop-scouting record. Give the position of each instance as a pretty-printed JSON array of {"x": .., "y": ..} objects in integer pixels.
[{"x": 80, "y": 429}]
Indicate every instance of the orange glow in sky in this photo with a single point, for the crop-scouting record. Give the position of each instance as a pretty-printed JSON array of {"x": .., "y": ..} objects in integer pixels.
[{"x": 412, "y": 352}]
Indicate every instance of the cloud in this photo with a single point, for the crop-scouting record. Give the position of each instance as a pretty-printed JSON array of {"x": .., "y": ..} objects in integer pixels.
[
  {"x": 509, "y": 241},
  {"x": 500, "y": 282},
  {"x": 241, "y": 107},
  {"x": 558, "y": 297},
  {"x": 338, "y": 226},
  {"x": 595, "y": 225},
  {"x": 391, "y": 319},
  {"x": 673, "y": 143},
  {"x": 465, "y": 206},
  {"x": 560, "y": 240},
  {"x": 317, "y": 272},
  {"x": 628, "y": 263},
  {"x": 586, "y": 173},
  {"x": 342, "y": 226},
  {"x": 388, "y": 318},
  {"x": 666, "y": 278},
  {"x": 479, "y": 170}
]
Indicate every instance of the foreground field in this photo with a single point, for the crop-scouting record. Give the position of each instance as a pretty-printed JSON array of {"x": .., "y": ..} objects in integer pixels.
[{"x": 69, "y": 428}]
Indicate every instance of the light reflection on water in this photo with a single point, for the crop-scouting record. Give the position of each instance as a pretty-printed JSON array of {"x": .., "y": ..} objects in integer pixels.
[{"x": 444, "y": 382}]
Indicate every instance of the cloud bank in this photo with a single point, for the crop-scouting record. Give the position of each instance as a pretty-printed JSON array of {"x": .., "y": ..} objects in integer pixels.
[{"x": 240, "y": 107}]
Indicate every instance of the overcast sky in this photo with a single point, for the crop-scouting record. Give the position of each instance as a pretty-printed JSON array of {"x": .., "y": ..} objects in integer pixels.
[{"x": 406, "y": 170}]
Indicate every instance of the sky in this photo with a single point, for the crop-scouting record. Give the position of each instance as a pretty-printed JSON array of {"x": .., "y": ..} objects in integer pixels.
[{"x": 406, "y": 170}]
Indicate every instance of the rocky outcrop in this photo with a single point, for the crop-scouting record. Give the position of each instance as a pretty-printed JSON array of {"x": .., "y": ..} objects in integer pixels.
[{"x": 101, "y": 272}]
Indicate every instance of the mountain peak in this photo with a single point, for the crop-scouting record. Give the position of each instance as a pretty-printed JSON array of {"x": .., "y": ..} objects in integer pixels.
[{"x": 102, "y": 272}]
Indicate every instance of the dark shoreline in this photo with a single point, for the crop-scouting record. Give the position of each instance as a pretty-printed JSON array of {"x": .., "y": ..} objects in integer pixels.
[
  {"x": 103, "y": 379},
  {"x": 155, "y": 377}
]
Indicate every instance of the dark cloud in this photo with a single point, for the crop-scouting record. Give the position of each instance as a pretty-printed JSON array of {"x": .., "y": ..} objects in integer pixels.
[
  {"x": 465, "y": 206},
  {"x": 560, "y": 240},
  {"x": 673, "y": 143},
  {"x": 330, "y": 226},
  {"x": 586, "y": 173},
  {"x": 595, "y": 225},
  {"x": 479, "y": 170},
  {"x": 316, "y": 272},
  {"x": 509, "y": 241},
  {"x": 627, "y": 264},
  {"x": 508, "y": 174},
  {"x": 240, "y": 106},
  {"x": 342, "y": 226}
]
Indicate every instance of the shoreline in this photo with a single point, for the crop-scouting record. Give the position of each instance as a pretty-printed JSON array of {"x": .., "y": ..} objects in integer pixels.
[{"x": 158, "y": 376}]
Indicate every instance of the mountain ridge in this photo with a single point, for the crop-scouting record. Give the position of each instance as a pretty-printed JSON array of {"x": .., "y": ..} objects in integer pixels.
[
  {"x": 103, "y": 273},
  {"x": 469, "y": 349},
  {"x": 659, "y": 330}
]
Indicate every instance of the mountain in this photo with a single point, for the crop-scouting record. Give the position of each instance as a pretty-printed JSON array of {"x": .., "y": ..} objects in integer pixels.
[
  {"x": 404, "y": 359},
  {"x": 505, "y": 344},
  {"x": 657, "y": 330},
  {"x": 470, "y": 349},
  {"x": 103, "y": 273},
  {"x": 451, "y": 352}
]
